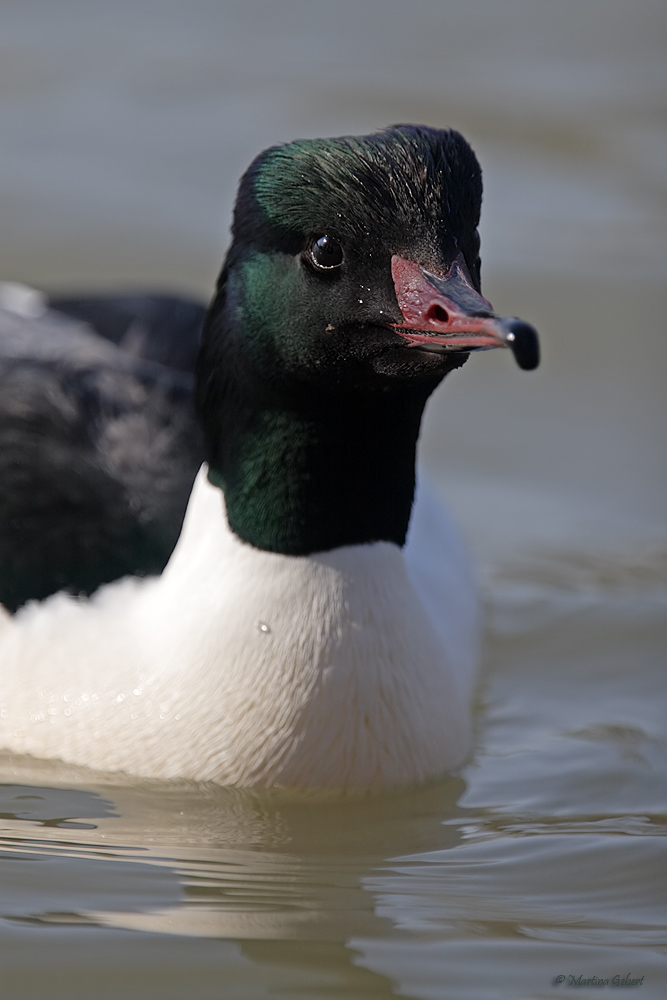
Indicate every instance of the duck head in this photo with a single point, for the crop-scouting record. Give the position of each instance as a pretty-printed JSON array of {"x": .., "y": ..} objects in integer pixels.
[{"x": 351, "y": 288}]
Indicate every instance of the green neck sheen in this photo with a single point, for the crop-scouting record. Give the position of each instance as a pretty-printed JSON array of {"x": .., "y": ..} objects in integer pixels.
[{"x": 337, "y": 471}]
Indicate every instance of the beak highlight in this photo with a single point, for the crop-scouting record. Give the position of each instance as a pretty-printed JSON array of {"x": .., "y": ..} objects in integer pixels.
[{"x": 446, "y": 313}]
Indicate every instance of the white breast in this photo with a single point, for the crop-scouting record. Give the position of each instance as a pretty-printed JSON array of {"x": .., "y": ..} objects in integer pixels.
[{"x": 346, "y": 668}]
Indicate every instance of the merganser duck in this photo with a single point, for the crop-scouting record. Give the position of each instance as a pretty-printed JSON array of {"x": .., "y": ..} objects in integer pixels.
[{"x": 294, "y": 637}]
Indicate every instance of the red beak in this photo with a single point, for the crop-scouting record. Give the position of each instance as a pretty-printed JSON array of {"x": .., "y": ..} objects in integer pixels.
[{"x": 447, "y": 313}]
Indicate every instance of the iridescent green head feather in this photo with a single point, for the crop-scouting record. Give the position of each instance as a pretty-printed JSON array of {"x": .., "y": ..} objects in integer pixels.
[
  {"x": 393, "y": 179},
  {"x": 310, "y": 400}
]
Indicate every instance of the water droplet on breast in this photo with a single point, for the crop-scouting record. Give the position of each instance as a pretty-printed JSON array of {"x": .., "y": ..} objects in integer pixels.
[{"x": 262, "y": 627}]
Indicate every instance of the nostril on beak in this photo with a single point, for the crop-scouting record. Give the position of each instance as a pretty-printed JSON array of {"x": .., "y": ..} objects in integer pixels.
[{"x": 437, "y": 313}]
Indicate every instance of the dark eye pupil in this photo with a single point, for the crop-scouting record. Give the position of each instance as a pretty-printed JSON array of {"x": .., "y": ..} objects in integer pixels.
[{"x": 327, "y": 252}]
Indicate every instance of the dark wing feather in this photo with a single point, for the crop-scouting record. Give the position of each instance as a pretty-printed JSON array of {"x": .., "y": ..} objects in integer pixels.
[{"x": 98, "y": 452}]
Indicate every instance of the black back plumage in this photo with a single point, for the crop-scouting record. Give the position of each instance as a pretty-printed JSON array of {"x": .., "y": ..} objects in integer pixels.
[
  {"x": 98, "y": 452},
  {"x": 162, "y": 328}
]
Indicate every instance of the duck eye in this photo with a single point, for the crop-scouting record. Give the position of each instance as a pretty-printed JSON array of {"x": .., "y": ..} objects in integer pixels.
[{"x": 326, "y": 253}]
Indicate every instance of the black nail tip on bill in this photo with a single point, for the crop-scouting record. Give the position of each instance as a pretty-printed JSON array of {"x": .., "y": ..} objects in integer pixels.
[{"x": 523, "y": 341}]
